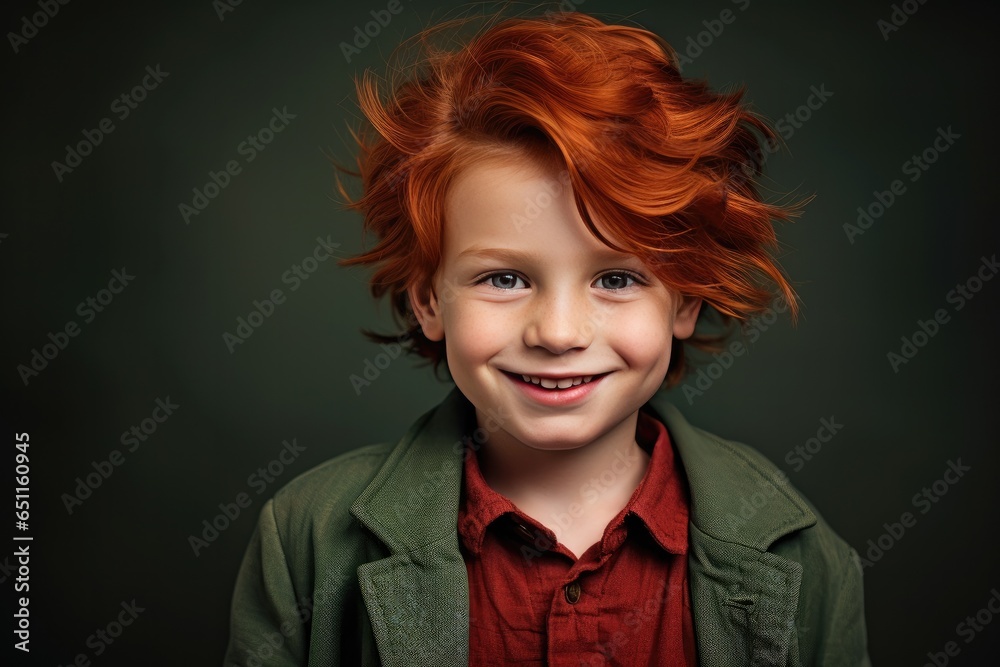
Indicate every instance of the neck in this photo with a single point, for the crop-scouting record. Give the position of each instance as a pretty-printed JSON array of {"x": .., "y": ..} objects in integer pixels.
[{"x": 595, "y": 479}]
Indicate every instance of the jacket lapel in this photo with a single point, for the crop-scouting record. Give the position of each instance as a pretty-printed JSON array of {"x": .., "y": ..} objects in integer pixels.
[
  {"x": 418, "y": 596},
  {"x": 744, "y": 598}
]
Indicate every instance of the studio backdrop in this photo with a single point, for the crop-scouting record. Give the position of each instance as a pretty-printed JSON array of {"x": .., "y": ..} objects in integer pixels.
[{"x": 179, "y": 342}]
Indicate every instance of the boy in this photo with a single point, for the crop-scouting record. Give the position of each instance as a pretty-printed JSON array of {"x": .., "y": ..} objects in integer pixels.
[{"x": 557, "y": 208}]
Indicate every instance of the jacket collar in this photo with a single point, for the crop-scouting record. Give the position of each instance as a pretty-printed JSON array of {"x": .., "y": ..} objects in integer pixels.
[
  {"x": 413, "y": 499},
  {"x": 734, "y": 497},
  {"x": 744, "y": 597},
  {"x": 417, "y": 597}
]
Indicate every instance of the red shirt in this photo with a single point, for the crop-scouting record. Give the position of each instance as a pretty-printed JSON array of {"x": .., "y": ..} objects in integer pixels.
[{"x": 624, "y": 602}]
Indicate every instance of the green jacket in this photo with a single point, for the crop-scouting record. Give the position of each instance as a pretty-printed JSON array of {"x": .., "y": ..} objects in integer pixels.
[{"x": 357, "y": 561}]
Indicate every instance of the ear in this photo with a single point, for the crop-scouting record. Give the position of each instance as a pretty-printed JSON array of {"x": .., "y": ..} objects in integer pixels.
[
  {"x": 686, "y": 316},
  {"x": 427, "y": 310}
]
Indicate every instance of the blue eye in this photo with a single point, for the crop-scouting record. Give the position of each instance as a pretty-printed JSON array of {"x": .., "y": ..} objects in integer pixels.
[
  {"x": 619, "y": 280},
  {"x": 504, "y": 281},
  {"x": 613, "y": 281}
]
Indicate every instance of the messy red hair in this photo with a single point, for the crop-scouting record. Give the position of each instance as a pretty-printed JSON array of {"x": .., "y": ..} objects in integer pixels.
[{"x": 666, "y": 165}]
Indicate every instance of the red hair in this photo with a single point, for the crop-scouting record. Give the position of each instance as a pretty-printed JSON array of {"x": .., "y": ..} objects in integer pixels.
[{"x": 666, "y": 165}]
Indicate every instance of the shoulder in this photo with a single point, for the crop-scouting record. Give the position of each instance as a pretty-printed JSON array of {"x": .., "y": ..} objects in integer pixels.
[
  {"x": 318, "y": 501},
  {"x": 817, "y": 538},
  {"x": 745, "y": 509},
  {"x": 314, "y": 512},
  {"x": 300, "y": 564},
  {"x": 347, "y": 473},
  {"x": 740, "y": 455},
  {"x": 739, "y": 495},
  {"x": 830, "y": 619}
]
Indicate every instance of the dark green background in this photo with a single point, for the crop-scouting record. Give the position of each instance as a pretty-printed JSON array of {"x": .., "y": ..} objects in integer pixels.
[{"x": 162, "y": 336}]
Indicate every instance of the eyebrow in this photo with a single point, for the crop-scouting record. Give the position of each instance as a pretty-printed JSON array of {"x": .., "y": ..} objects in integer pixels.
[
  {"x": 515, "y": 256},
  {"x": 504, "y": 254}
]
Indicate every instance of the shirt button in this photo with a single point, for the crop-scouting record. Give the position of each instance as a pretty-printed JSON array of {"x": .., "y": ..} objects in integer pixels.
[{"x": 572, "y": 592}]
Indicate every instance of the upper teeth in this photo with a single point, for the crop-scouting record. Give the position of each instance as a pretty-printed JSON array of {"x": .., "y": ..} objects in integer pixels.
[{"x": 561, "y": 383}]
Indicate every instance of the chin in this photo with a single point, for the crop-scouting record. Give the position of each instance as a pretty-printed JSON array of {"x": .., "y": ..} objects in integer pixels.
[
  {"x": 554, "y": 447},
  {"x": 556, "y": 438}
]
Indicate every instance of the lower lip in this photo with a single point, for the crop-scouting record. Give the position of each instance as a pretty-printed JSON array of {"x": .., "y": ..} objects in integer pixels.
[{"x": 556, "y": 397}]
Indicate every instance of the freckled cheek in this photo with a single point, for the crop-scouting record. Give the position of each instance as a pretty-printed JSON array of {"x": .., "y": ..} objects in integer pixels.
[
  {"x": 473, "y": 334},
  {"x": 644, "y": 341}
]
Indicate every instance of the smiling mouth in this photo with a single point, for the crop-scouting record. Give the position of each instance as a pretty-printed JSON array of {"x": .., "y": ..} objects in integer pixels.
[{"x": 555, "y": 383}]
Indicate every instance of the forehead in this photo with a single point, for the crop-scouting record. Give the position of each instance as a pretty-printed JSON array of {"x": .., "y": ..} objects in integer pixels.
[
  {"x": 522, "y": 206},
  {"x": 495, "y": 174},
  {"x": 503, "y": 185}
]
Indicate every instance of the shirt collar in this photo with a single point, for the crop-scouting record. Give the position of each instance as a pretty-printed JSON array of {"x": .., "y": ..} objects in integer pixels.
[
  {"x": 479, "y": 505},
  {"x": 661, "y": 499},
  {"x": 720, "y": 475}
]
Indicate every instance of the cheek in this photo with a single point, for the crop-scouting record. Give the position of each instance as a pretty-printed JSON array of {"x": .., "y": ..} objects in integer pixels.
[
  {"x": 473, "y": 334},
  {"x": 644, "y": 338}
]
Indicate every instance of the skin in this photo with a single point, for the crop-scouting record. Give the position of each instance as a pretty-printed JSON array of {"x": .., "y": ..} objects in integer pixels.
[{"x": 566, "y": 305}]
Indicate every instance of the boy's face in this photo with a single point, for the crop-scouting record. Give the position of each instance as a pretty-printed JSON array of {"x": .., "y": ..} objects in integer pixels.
[{"x": 524, "y": 289}]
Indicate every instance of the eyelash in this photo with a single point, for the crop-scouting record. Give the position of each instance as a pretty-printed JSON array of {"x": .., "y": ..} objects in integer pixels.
[{"x": 617, "y": 272}]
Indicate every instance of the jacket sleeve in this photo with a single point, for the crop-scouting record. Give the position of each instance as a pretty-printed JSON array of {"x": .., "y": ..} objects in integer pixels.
[
  {"x": 845, "y": 639},
  {"x": 266, "y": 627}
]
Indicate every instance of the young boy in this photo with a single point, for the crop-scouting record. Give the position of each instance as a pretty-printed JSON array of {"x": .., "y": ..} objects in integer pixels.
[{"x": 557, "y": 209}]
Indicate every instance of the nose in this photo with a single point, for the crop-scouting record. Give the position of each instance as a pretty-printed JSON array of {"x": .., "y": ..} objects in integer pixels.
[{"x": 561, "y": 320}]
